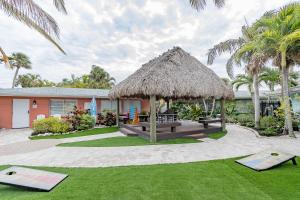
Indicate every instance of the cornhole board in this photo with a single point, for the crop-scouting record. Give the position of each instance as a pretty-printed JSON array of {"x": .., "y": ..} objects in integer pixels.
[
  {"x": 266, "y": 160},
  {"x": 31, "y": 178}
]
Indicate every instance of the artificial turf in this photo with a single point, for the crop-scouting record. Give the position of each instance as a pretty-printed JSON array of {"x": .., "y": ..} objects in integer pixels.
[
  {"x": 217, "y": 135},
  {"x": 125, "y": 141},
  {"x": 94, "y": 131},
  {"x": 221, "y": 179}
]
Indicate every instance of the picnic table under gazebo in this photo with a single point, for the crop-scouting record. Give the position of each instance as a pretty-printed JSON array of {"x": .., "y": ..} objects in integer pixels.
[{"x": 174, "y": 75}]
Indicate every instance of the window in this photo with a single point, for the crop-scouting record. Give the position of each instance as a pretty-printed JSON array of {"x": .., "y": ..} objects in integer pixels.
[
  {"x": 131, "y": 103},
  {"x": 61, "y": 106},
  {"x": 87, "y": 105},
  {"x": 107, "y": 105}
]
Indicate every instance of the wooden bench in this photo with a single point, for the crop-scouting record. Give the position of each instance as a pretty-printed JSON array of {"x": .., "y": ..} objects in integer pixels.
[
  {"x": 205, "y": 122},
  {"x": 173, "y": 125}
]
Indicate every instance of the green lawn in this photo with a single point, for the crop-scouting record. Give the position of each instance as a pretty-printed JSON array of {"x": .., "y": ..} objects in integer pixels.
[
  {"x": 125, "y": 141},
  {"x": 222, "y": 179},
  {"x": 217, "y": 135},
  {"x": 94, "y": 131}
]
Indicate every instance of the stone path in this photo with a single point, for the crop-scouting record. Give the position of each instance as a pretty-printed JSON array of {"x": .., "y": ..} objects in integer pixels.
[{"x": 237, "y": 142}]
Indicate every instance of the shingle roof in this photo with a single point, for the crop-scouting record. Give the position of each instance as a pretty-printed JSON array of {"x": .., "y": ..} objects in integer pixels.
[{"x": 55, "y": 92}]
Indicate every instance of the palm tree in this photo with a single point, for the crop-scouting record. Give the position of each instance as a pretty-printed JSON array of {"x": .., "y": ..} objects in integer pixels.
[
  {"x": 279, "y": 39},
  {"x": 31, "y": 14},
  {"x": 29, "y": 80},
  {"x": 240, "y": 53},
  {"x": 99, "y": 78},
  {"x": 244, "y": 80},
  {"x": 18, "y": 61},
  {"x": 200, "y": 4},
  {"x": 272, "y": 77}
]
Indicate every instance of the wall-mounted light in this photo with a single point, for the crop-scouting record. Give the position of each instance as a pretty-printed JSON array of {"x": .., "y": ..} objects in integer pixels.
[{"x": 34, "y": 104}]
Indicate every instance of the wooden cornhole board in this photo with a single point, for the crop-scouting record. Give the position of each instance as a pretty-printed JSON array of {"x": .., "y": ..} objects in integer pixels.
[
  {"x": 266, "y": 160},
  {"x": 31, "y": 178}
]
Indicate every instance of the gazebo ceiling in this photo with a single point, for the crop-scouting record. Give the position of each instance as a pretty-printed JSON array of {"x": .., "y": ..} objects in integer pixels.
[{"x": 175, "y": 74}]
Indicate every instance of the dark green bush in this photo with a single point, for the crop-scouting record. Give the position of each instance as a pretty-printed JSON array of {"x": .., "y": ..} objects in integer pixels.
[
  {"x": 270, "y": 131},
  {"x": 267, "y": 121},
  {"x": 271, "y": 125},
  {"x": 86, "y": 121},
  {"x": 296, "y": 124}
]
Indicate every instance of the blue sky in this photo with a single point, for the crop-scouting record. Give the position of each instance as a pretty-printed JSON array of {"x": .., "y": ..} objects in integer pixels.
[{"x": 121, "y": 35}]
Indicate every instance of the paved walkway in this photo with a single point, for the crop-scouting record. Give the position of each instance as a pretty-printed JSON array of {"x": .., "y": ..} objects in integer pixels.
[{"x": 238, "y": 142}]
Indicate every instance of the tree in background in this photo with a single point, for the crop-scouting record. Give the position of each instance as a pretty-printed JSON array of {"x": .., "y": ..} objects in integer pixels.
[
  {"x": 272, "y": 78},
  {"x": 98, "y": 78},
  {"x": 32, "y": 15},
  {"x": 18, "y": 61},
  {"x": 33, "y": 80},
  {"x": 244, "y": 80},
  {"x": 279, "y": 39}
]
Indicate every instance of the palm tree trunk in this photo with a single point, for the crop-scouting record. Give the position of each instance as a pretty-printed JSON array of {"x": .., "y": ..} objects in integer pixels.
[
  {"x": 15, "y": 77},
  {"x": 286, "y": 99},
  {"x": 256, "y": 100}
]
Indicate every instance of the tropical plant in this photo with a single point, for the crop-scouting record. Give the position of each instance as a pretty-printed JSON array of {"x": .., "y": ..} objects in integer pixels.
[
  {"x": 239, "y": 55},
  {"x": 200, "y": 4},
  {"x": 18, "y": 61},
  {"x": 50, "y": 125},
  {"x": 279, "y": 39},
  {"x": 244, "y": 80},
  {"x": 98, "y": 78},
  {"x": 32, "y": 15},
  {"x": 272, "y": 77},
  {"x": 32, "y": 80}
]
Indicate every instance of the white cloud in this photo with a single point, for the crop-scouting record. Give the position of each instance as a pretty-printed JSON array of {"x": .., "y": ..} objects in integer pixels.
[{"x": 121, "y": 35}]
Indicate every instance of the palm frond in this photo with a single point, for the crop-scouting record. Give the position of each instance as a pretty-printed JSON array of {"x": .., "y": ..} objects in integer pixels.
[
  {"x": 33, "y": 16},
  {"x": 200, "y": 4},
  {"x": 227, "y": 46},
  {"x": 60, "y": 5}
]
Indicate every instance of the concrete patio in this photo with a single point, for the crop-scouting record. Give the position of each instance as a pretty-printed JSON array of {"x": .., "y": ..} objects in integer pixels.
[{"x": 239, "y": 141}]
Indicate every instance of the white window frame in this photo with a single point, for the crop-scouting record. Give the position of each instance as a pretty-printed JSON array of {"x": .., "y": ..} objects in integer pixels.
[{"x": 64, "y": 111}]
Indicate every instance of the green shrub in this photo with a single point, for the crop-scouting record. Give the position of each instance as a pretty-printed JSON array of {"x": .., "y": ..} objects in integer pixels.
[
  {"x": 271, "y": 125},
  {"x": 296, "y": 124},
  {"x": 50, "y": 125},
  {"x": 86, "y": 121},
  {"x": 267, "y": 121},
  {"x": 245, "y": 120},
  {"x": 270, "y": 131}
]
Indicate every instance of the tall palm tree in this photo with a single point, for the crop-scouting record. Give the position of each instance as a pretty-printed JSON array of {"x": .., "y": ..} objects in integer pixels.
[
  {"x": 18, "y": 61},
  {"x": 200, "y": 4},
  {"x": 237, "y": 47},
  {"x": 32, "y": 15},
  {"x": 279, "y": 39}
]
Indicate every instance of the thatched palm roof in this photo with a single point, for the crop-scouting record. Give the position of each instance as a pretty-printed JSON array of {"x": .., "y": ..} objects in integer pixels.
[{"x": 174, "y": 74}]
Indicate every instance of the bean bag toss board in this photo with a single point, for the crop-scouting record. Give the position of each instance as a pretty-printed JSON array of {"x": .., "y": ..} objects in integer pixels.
[
  {"x": 31, "y": 178},
  {"x": 266, "y": 160}
]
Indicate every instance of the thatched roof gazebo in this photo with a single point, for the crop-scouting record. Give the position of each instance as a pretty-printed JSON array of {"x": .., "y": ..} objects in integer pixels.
[{"x": 173, "y": 75}]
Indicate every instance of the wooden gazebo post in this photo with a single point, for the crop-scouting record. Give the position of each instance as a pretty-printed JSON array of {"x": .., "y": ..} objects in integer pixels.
[
  {"x": 152, "y": 119},
  {"x": 118, "y": 113},
  {"x": 223, "y": 124}
]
